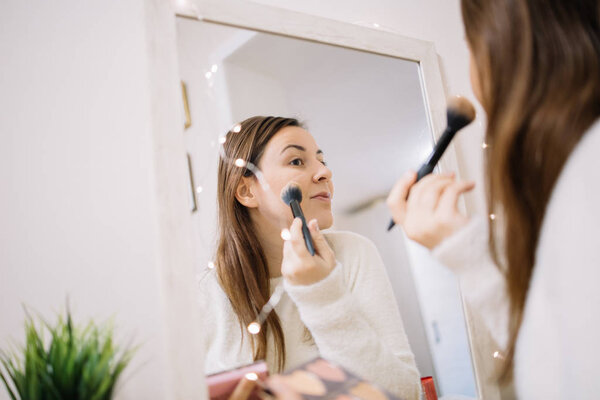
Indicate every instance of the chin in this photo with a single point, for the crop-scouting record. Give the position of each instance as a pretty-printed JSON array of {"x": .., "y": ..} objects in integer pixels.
[{"x": 325, "y": 221}]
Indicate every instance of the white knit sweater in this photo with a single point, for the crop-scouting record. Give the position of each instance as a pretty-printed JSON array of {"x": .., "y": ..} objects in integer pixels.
[
  {"x": 557, "y": 349},
  {"x": 351, "y": 314}
]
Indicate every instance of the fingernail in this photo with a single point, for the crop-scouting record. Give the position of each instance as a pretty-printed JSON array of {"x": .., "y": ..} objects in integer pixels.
[
  {"x": 314, "y": 221},
  {"x": 285, "y": 234}
]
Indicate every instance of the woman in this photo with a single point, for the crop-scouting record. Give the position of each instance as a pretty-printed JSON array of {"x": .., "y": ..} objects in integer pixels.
[
  {"x": 338, "y": 304},
  {"x": 535, "y": 68}
]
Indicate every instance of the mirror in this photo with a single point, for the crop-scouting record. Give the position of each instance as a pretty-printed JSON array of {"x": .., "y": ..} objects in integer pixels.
[{"x": 370, "y": 115}]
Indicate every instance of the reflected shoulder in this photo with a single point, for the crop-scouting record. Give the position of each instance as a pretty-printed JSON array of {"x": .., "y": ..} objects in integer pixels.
[{"x": 347, "y": 242}]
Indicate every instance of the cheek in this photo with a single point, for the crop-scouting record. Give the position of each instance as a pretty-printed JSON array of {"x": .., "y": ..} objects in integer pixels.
[{"x": 272, "y": 208}]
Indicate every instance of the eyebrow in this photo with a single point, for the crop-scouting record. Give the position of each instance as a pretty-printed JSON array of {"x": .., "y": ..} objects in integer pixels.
[{"x": 296, "y": 146}]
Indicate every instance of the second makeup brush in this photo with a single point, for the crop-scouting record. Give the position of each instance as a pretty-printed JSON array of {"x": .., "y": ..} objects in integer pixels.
[{"x": 460, "y": 113}]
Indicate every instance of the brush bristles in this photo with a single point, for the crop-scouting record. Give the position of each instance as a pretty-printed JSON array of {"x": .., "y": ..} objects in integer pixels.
[
  {"x": 460, "y": 112},
  {"x": 462, "y": 106},
  {"x": 290, "y": 192}
]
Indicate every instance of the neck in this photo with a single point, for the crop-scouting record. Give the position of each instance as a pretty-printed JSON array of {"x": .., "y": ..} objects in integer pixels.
[{"x": 269, "y": 237}]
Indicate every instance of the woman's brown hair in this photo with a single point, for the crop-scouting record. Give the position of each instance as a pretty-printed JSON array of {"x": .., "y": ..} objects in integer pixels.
[
  {"x": 538, "y": 65},
  {"x": 240, "y": 260}
]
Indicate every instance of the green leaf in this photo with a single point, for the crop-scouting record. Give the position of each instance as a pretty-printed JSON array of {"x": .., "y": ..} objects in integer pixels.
[{"x": 77, "y": 363}]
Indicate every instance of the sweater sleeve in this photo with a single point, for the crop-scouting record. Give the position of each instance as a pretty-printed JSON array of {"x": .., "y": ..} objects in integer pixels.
[
  {"x": 360, "y": 328},
  {"x": 481, "y": 282}
]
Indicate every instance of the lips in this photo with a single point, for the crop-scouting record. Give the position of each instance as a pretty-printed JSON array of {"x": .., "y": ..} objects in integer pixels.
[{"x": 322, "y": 196}]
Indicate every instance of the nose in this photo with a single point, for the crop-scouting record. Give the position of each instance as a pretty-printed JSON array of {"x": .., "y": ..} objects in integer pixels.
[{"x": 323, "y": 174}]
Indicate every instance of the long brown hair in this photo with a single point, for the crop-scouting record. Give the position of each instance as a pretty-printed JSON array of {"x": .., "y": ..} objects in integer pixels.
[
  {"x": 539, "y": 71},
  {"x": 240, "y": 260}
]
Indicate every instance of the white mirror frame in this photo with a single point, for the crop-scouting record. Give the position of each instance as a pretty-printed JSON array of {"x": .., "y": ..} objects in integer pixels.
[{"x": 182, "y": 318}]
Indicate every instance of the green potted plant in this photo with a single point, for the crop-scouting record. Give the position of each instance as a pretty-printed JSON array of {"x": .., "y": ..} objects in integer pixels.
[{"x": 73, "y": 364}]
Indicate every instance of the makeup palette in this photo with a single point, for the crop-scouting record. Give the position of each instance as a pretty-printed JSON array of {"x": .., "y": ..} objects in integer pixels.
[
  {"x": 320, "y": 379},
  {"x": 221, "y": 385}
]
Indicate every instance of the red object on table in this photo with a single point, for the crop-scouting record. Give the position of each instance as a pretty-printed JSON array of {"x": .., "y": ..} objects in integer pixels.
[{"x": 429, "y": 388}]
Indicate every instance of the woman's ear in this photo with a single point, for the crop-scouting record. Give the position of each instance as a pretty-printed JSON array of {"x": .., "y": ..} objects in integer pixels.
[{"x": 245, "y": 192}]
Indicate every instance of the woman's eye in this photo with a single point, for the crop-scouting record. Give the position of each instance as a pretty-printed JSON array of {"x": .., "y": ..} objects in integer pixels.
[
  {"x": 324, "y": 162},
  {"x": 296, "y": 162}
]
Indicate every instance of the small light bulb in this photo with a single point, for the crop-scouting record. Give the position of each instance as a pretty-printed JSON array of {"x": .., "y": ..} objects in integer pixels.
[
  {"x": 251, "y": 376},
  {"x": 240, "y": 163},
  {"x": 208, "y": 75},
  {"x": 285, "y": 234},
  {"x": 484, "y": 145},
  {"x": 237, "y": 128},
  {"x": 492, "y": 216},
  {"x": 222, "y": 139},
  {"x": 214, "y": 68},
  {"x": 376, "y": 25},
  {"x": 199, "y": 189},
  {"x": 211, "y": 264},
  {"x": 254, "y": 328}
]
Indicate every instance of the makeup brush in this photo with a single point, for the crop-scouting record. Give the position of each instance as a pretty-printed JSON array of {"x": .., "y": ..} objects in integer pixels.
[
  {"x": 460, "y": 113},
  {"x": 292, "y": 196}
]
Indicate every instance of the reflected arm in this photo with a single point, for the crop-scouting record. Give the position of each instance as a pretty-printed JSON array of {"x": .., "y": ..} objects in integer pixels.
[
  {"x": 466, "y": 254},
  {"x": 353, "y": 318}
]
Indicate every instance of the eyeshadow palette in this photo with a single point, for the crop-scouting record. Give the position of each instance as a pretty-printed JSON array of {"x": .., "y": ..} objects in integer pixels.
[
  {"x": 320, "y": 379},
  {"x": 221, "y": 385}
]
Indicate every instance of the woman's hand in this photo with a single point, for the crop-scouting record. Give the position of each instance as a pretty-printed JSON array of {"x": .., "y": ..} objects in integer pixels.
[
  {"x": 429, "y": 214},
  {"x": 281, "y": 390},
  {"x": 298, "y": 266},
  {"x": 243, "y": 389}
]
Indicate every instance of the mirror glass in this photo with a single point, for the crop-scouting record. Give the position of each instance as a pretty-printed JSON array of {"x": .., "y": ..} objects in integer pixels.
[{"x": 368, "y": 113}]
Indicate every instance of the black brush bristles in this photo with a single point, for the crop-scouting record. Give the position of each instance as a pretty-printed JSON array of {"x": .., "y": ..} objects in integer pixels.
[
  {"x": 291, "y": 195},
  {"x": 290, "y": 192}
]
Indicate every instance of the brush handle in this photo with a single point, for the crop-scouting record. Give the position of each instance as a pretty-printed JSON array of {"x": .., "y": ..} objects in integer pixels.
[
  {"x": 429, "y": 165},
  {"x": 440, "y": 147},
  {"x": 456, "y": 121},
  {"x": 297, "y": 212}
]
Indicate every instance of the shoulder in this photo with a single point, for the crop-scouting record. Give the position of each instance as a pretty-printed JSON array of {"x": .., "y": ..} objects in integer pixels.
[
  {"x": 572, "y": 220},
  {"x": 213, "y": 302},
  {"x": 584, "y": 157},
  {"x": 357, "y": 255},
  {"x": 208, "y": 281},
  {"x": 578, "y": 181}
]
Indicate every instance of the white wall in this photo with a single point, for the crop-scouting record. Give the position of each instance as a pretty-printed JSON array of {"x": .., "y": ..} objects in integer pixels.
[{"x": 77, "y": 203}]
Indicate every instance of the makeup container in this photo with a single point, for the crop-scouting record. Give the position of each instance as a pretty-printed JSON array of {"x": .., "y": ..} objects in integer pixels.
[
  {"x": 222, "y": 384},
  {"x": 320, "y": 379}
]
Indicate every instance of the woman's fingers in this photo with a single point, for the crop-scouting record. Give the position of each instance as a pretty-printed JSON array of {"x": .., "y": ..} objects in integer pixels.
[
  {"x": 297, "y": 239},
  {"x": 298, "y": 266},
  {"x": 430, "y": 213},
  {"x": 321, "y": 246},
  {"x": 396, "y": 200},
  {"x": 281, "y": 390},
  {"x": 449, "y": 199},
  {"x": 429, "y": 190},
  {"x": 243, "y": 389}
]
